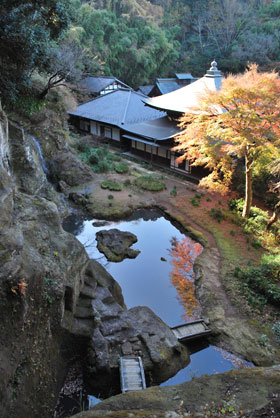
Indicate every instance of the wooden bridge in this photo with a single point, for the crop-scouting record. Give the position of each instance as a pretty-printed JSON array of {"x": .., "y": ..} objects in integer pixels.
[
  {"x": 191, "y": 330},
  {"x": 132, "y": 374}
]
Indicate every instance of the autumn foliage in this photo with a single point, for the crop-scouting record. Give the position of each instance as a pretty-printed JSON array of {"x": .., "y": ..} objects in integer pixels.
[
  {"x": 20, "y": 288},
  {"x": 240, "y": 121},
  {"x": 183, "y": 255}
]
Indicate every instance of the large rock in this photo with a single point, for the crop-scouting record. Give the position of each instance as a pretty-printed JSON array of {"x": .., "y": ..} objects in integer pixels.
[
  {"x": 222, "y": 395},
  {"x": 112, "y": 331},
  {"x": 116, "y": 244},
  {"x": 68, "y": 168},
  {"x": 41, "y": 272},
  {"x": 137, "y": 332}
]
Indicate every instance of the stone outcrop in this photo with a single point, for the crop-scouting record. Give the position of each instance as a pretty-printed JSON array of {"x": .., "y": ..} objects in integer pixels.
[
  {"x": 42, "y": 269},
  {"x": 116, "y": 244},
  {"x": 222, "y": 395},
  {"x": 114, "y": 331}
]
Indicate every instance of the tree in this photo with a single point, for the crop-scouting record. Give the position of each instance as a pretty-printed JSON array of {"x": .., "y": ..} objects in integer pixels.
[
  {"x": 241, "y": 121},
  {"x": 64, "y": 64},
  {"x": 26, "y": 30}
]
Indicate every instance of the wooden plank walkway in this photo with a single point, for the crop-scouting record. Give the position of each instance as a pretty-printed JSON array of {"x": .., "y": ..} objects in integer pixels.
[
  {"x": 132, "y": 374},
  {"x": 191, "y": 330}
]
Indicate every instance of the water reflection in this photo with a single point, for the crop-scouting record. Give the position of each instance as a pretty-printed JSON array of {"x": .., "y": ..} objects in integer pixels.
[
  {"x": 145, "y": 280},
  {"x": 208, "y": 361},
  {"x": 184, "y": 253}
]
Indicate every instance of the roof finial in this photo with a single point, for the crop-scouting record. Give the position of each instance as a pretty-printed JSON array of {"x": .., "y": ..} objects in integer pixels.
[
  {"x": 214, "y": 66},
  {"x": 213, "y": 72}
]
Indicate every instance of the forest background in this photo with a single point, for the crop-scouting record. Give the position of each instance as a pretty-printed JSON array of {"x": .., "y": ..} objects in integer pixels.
[{"x": 133, "y": 40}]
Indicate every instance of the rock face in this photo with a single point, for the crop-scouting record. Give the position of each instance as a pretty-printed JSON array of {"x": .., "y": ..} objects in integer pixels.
[
  {"x": 42, "y": 269},
  {"x": 113, "y": 331},
  {"x": 228, "y": 394},
  {"x": 116, "y": 244}
]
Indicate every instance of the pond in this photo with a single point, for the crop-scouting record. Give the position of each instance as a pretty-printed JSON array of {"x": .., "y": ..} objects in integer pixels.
[{"x": 146, "y": 280}]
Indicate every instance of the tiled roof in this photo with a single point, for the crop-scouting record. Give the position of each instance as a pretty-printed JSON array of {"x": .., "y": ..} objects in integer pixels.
[
  {"x": 145, "y": 89},
  {"x": 166, "y": 85},
  {"x": 120, "y": 107},
  {"x": 184, "y": 76},
  {"x": 157, "y": 129},
  {"x": 96, "y": 84}
]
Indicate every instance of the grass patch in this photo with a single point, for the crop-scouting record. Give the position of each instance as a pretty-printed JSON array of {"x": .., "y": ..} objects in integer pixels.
[
  {"x": 112, "y": 185},
  {"x": 149, "y": 182}
]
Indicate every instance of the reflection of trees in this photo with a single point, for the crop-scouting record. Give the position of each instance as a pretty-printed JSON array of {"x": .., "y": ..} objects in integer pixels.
[{"x": 183, "y": 255}]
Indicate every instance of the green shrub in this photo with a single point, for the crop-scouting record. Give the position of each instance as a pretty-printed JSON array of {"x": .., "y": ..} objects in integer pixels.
[
  {"x": 110, "y": 196},
  {"x": 232, "y": 233},
  {"x": 194, "y": 201},
  {"x": 127, "y": 182},
  {"x": 173, "y": 191},
  {"x": 149, "y": 182},
  {"x": 82, "y": 147},
  {"x": 256, "y": 243},
  {"x": 260, "y": 282},
  {"x": 217, "y": 214},
  {"x": 102, "y": 167},
  {"x": 112, "y": 185},
  {"x": 271, "y": 259},
  {"x": 29, "y": 104},
  {"x": 93, "y": 158},
  {"x": 121, "y": 168},
  {"x": 208, "y": 199}
]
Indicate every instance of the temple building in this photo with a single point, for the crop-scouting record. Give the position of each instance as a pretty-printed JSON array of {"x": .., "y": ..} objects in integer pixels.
[{"x": 144, "y": 126}]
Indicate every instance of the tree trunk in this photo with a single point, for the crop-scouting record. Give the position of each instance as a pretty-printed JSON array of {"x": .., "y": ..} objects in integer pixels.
[
  {"x": 248, "y": 187},
  {"x": 43, "y": 93},
  {"x": 274, "y": 217}
]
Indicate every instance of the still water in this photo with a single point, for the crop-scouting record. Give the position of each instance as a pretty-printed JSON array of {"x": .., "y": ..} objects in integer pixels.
[{"x": 145, "y": 280}]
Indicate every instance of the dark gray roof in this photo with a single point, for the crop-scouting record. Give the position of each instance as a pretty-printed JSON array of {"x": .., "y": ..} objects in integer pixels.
[
  {"x": 166, "y": 85},
  {"x": 157, "y": 129},
  {"x": 184, "y": 76},
  {"x": 120, "y": 107},
  {"x": 145, "y": 89},
  {"x": 96, "y": 84}
]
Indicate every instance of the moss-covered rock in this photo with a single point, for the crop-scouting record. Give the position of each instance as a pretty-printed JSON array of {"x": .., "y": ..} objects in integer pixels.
[
  {"x": 222, "y": 395},
  {"x": 116, "y": 244}
]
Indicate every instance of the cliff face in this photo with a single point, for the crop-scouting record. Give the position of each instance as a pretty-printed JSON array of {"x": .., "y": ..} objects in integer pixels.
[
  {"x": 37, "y": 260},
  {"x": 56, "y": 305}
]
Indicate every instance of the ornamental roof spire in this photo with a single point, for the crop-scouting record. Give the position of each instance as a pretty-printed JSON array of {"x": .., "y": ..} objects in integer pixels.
[{"x": 213, "y": 72}]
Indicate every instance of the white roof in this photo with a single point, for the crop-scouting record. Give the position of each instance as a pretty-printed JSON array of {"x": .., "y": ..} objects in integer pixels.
[{"x": 186, "y": 99}]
